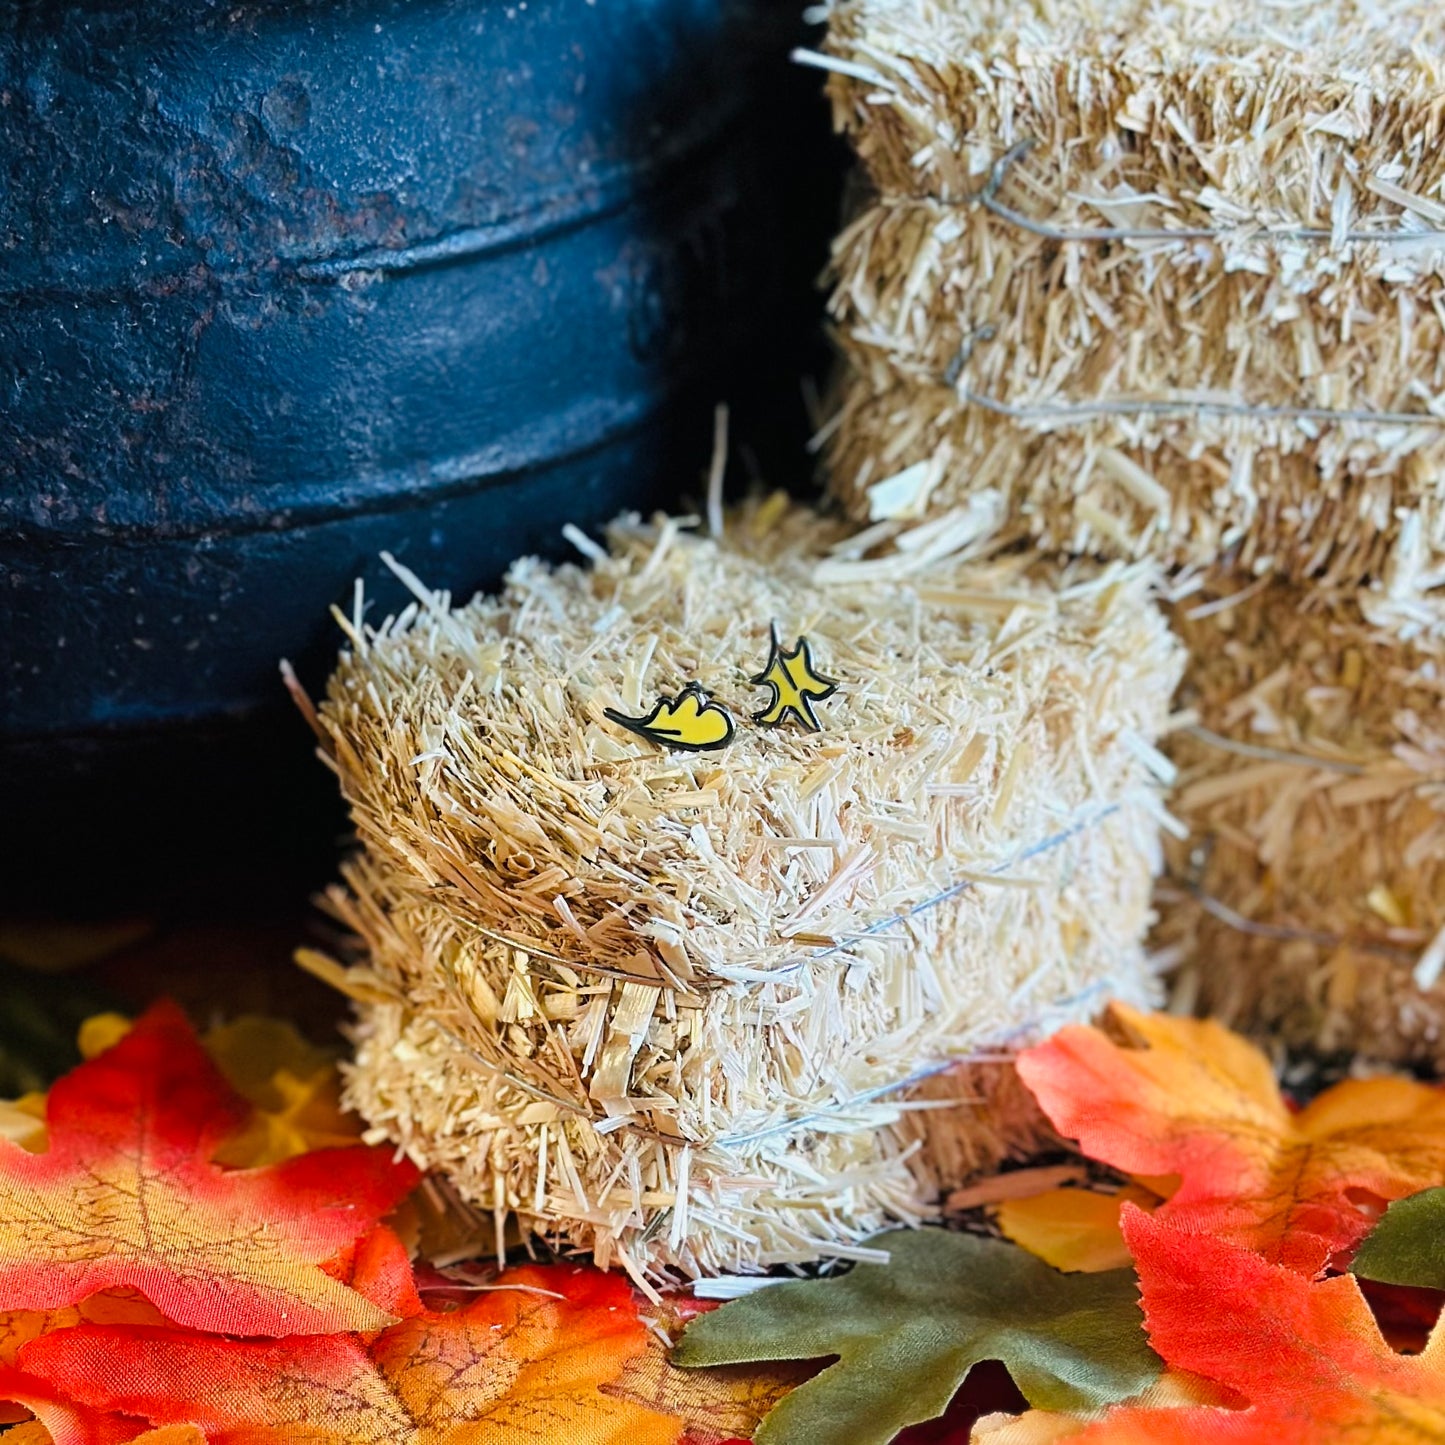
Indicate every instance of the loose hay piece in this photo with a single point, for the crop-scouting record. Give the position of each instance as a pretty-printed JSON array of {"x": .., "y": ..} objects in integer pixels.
[
  {"x": 1087, "y": 393},
  {"x": 1311, "y": 896},
  {"x": 672, "y": 1007}
]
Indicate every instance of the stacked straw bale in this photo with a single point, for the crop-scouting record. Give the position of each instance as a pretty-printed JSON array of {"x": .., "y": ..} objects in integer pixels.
[
  {"x": 1152, "y": 279},
  {"x": 1312, "y": 775},
  {"x": 1280, "y": 172},
  {"x": 689, "y": 1010}
]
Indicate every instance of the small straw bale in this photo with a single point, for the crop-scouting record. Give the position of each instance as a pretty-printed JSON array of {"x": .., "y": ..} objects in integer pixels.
[
  {"x": 1147, "y": 278},
  {"x": 678, "y": 1008},
  {"x": 1310, "y": 897}
]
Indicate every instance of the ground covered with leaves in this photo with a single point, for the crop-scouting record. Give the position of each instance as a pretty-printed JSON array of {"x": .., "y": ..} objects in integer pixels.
[{"x": 197, "y": 1246}]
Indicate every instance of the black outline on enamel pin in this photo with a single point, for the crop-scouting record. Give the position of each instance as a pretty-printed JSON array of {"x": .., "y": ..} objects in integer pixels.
[
  {"x": 803, "y": 708},
  {"x": 642, "y": 726}
]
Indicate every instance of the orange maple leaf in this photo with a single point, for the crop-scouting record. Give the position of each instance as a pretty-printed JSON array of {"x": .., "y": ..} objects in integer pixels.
[
  {"x": 126, "y": 1194},
  {"x": 1198, "y": 1101},
  {"x": 521, "y": 1365},
  {"x": 1307, "y": 1358}
]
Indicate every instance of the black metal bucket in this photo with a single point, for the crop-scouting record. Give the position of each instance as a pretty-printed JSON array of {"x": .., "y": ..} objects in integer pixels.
[{"x": 286, "y": 284}]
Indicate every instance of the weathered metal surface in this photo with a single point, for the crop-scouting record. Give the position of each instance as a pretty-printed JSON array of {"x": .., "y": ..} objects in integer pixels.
[{"x": 283, "y": 284}]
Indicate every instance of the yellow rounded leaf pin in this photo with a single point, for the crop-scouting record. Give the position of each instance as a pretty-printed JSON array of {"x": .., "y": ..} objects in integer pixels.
[{"x": 689, "y": 722}]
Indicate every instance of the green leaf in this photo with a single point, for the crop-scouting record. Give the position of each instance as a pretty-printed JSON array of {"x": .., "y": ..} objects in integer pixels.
[
  {"x": 906, "y": 1333},
  {"x": 1407, "y": 1246}
]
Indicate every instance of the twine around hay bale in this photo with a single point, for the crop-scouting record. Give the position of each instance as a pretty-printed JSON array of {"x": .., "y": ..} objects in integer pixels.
[
  {"x": 1310, "y": 896},
  {"x": 1153, "y": 280},
  {"x": 680, "y": 1008}
]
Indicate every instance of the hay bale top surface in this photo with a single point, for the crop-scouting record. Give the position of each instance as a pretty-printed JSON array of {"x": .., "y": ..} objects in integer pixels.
[{"x": 476, "y": 748}]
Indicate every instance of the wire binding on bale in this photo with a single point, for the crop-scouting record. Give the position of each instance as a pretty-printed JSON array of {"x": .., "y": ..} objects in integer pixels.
[
  {"x": 1150, "y": 279},
  {"x": 698, "y": 1012},
  {"x": 1310, "y": 896}
]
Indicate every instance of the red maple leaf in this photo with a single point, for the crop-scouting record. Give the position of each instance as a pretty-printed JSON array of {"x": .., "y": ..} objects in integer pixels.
[
  {"x": 1306, "y": 1358},
  {"x": 127, "y": 1195}
]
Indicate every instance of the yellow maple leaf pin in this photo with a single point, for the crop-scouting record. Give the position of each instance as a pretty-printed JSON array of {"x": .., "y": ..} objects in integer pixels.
[
  {"x": 796, "y": 685},
  {"x": 689, "y": 722}
]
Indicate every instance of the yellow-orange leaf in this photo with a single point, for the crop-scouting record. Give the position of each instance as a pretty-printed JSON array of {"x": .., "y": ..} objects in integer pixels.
[
  {"x": 22, "y": 1122},
  {"x": 1074, "y": 1229},
  {"x": 101, "y": 1032},
  {"x": 294, "y": 1086},
  {"x": 1188, "y": 1097},
  {"x": 28, "y": 1432}
]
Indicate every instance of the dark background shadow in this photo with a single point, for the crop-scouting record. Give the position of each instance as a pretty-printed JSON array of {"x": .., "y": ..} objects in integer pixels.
[{"x": 709, "y": 270}]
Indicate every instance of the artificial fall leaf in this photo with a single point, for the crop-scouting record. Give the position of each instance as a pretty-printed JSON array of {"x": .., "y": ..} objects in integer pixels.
[
  {"x": 111, "y": 1307},
  {"x": 1198, "y": 1101},
  {"x": 19, "y": 1327},
  {"x": 1174, "y": 1390},
  {"x": 1407, "y": 1246},
  {"x": 253, "y": 1050},
  {"x": 715, "y": 1405},
  {"x": 22, "y": 1121},
  {"x": 1074, "y": 1229},
  {"x": 126, "y": 1195},
  {"x": 1306, "y": 1358},
  {"x": 72, "y": 1423},
  {"x": 908, "y": 1332},
  {"x": 59, "y": 1418},
  {"x": 293, "y": 1086},
  {"x": 520, "y": 1365},
  {"x": 101, "y": 1032}
]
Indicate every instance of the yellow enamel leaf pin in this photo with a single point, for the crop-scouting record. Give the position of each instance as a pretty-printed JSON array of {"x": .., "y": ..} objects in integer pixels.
[
  {"x": 688, "y": 722},
  {"x": 796, "y": 685}
]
